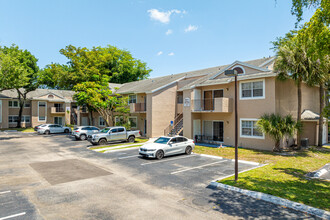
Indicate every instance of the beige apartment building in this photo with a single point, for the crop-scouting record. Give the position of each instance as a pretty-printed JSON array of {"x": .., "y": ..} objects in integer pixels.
[
  {"x": 197, "y": 104},
  {"x": 208, "y": 114},
  {"x": 43, "y": 106}
]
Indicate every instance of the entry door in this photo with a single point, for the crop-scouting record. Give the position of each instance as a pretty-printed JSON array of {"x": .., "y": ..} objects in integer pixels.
[
  {"x": 145, "y": 127},
  {"x": 58, "y": 120},
  {"x": 218, "y": 131},
  {"x": 84, "y": 121},
  {"x": 208, "y": 100}
]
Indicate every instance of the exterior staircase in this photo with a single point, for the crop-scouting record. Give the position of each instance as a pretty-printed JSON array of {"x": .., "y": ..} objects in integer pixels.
[
  {"x": 177, "y": 128},
  {"x": 74, "y": 117}
]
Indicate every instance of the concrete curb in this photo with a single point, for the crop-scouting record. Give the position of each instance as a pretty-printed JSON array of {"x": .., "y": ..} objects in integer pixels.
[
  {"x": 276, "y": 200},
  {"x": 320, "y": 173},
  {"x": 247, "y": 162}
]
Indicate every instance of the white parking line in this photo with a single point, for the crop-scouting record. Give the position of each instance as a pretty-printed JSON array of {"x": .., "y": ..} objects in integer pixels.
[
  {"x": 12, "y": 216},
  {"x": 160, "y": 161},
  {"x": 192, "y": 168},
  {"x": 4, "y": 192},
  {"x": 120, "y": 158}
]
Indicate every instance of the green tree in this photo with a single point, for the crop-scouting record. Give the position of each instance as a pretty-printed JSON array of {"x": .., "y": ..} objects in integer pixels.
[
  {"x": 91, "y": 65},
  {"x": 293, "y": 63},
  {"x": 298, "y": 7},
  {"x": 277, "y": 127},
  {"x": 316, "y": 36},
  {"x": 19, "y": 71},
  {"x": 101, "y": 98}
]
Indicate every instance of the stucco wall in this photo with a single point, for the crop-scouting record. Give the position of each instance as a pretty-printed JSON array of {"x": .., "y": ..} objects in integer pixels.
[
  {"x": 287, "y": 99},
  {"x": 163, "y": 109},
  {"x": 4, "y": 123}
]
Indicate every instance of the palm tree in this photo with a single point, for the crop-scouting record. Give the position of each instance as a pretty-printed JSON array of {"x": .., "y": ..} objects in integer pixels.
[
  {"x": 277, "y": 127},
  {"x": 293, "y": 63}
]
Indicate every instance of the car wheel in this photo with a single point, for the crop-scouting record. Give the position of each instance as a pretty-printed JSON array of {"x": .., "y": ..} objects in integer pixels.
[
  {"x": 188, "y": 150},
  {"x": 131, "y": 139},
  {"x": 103, "y": 142},
  {"x": 159, "y": 154},
  {"x": 47, "y": 132},
  {"x": 66, "y": 131},
  {"x": 83, "y": 137}
]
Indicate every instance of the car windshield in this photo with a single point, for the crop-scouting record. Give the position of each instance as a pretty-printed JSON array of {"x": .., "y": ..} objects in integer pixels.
[
  {"x": 162, "y": 140},
  {"x": 105, "y": 130}
]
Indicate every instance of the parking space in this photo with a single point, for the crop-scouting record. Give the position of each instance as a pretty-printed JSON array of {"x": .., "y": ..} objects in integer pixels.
[
  {"x": 15, "y": 206},
  {"x": 180, "y": 170}
]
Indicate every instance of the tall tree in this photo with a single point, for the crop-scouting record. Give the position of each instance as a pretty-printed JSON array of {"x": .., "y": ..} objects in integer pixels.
[
  {"x": 298, "y": 7},
  {"x": 93, "y": 65},
  {"x": 19, "y": 71},
  {"x": 101, "y": 98},
  {"x": 316, "y": 36},
  {"x": 293, "y": 63}
]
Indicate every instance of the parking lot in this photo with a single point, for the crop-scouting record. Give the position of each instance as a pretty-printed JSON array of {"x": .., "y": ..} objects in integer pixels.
[{"x": 56, "y": 177}]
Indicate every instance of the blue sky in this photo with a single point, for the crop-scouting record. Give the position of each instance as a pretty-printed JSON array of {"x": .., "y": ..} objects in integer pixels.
[{"x": 170, "y": 36}]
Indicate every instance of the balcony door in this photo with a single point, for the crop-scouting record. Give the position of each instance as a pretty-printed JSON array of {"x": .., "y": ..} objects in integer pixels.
[
  {"x": 218, "y": 131},
  {"x": 208, "y": 100},
  {"x": 58, "y": 120}
]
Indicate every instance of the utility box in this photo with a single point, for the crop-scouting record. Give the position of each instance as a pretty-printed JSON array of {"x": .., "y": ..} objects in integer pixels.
[{"x": 304, "y": 143}]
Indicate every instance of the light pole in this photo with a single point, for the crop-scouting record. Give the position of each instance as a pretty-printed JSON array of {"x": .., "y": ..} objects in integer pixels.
[{"x": 234, "y": 73}]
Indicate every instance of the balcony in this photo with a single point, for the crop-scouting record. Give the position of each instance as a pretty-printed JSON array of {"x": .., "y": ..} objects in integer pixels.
[
  {"x": 221, "y": 105},
  {"x": 138, "y": 107},
  {"x": 57, "y": 110}
]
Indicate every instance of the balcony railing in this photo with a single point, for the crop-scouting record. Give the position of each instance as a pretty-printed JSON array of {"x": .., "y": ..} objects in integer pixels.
[
  {"x": 55, "y": 110},
  {"x": 224, "y": 105},
  {"x": 138, "y": 107}
]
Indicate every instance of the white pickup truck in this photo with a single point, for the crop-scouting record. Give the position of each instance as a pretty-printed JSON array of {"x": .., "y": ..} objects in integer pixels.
[{"x": 113, "y": 134}]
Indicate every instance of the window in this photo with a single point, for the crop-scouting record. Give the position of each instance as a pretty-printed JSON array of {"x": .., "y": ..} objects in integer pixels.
[
  {"x": 101, "y": 121},
  {"x": 42, "y": 104},
  {"x": 42, "y": 118},
  {"x": 239, "y": 70},
  {"x": 133, "y": 121},
  {"x": 12, "y": 119},
  {"x": 250, "y": 129},
  {"x": 26, "y": 119},
  {"x": 218, "y": 93},
  {"x": 121, "y": 129},
  {"x": 131, "y": 99},
  {"x": 114, "y": 130},
  {"x": 13, "y": 104},
  {"x": 252, "y": 90},
  {"x": 119, "y": 120},
  {"x": 27, "y": 105},
  {"x": 50, "y": 96}
]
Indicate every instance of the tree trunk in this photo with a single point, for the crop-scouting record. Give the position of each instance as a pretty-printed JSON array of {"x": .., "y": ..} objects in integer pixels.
[
  {"x": 21, "y": 101},
  {"x": 91, "y": 122},
  {"x": 299, "y": 111},
  {"x": 321, "y": 116},
  {"x": 277, "y": 146}
]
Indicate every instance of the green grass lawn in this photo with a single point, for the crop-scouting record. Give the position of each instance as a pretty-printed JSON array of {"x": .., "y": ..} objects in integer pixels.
[
  {"x": 284, "y": 176},
  {"x": 137, "y": 141},
  {"x": 18, "y": 129}
]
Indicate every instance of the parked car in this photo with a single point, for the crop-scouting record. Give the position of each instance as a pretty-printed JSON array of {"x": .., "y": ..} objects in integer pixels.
[
  {"x": 82, "y": 132},
  {"x": 113, "y": 134},
  {"x": 53, "y": 128},
  {"x": 37, "y": 127},
  {"x": 165, "y": 146}
]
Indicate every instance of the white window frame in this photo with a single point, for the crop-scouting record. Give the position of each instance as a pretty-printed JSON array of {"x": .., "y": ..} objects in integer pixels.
[
  {"x": 136, "y": 120},
  {"x": 100, "y": 117},
  {"x": 25, "y": 116},
  {"x": 251, "y": 81},
  {"x": 12, "y": 101},
  {"x": 27, "y": 103},
  {"x": 45, "y": 112},
  {"x": 15, "y": 122},
  {"x": 117, "y": 119},
  {"x": 129, "y": 98},
  {"x": 0, "y": 111},
  {"x": 247, "y": 136}
]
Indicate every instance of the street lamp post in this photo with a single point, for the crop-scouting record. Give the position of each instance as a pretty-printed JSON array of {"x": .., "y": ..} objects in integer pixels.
[{"x": 234, "y": 73}]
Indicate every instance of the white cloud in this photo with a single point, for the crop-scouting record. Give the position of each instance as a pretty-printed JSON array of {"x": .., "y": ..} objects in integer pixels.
[
  {"x": 159, "y": 53},
  {"x": 171, "y": 54},
  {"x": 191, "y": 28},
  {"x": 169, "y": 31},
  {"x": 163, "y": 16}
]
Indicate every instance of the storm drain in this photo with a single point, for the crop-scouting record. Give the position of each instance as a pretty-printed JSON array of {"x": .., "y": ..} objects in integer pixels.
[{"x": 63, "y": 171}]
